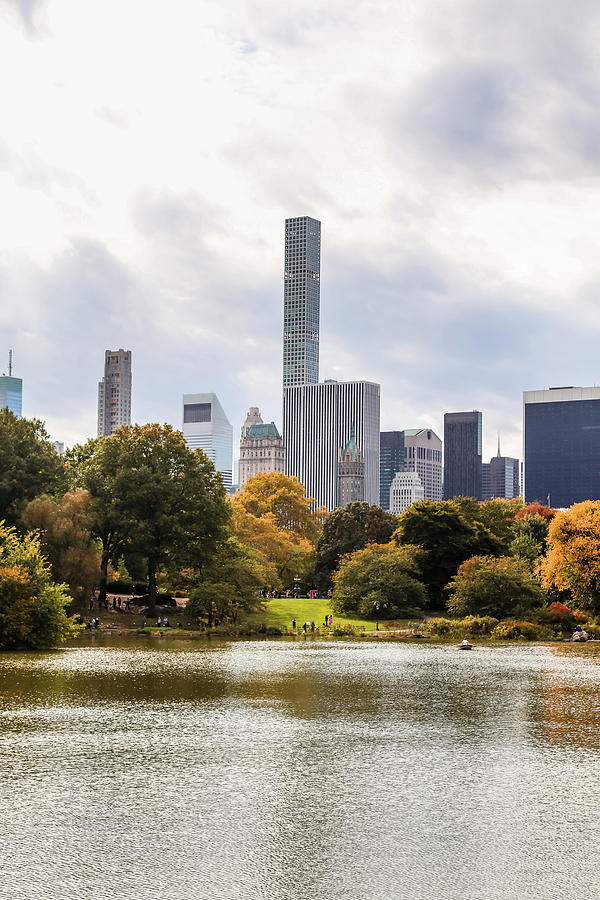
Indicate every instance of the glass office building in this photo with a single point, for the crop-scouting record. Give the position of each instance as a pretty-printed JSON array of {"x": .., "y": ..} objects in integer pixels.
[
  {"x": 11, "y": 394},
  {"x": 391, "y": 461},
  {"x": 462, "y": 454},
  {"x": 206, "y": 427},
  {"x": 561, "y": 435},
  {"x": 301, "y": 301}
]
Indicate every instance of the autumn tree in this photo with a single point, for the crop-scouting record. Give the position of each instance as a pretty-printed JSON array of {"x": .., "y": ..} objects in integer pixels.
[
  {"x": 29, "y": 465},
  {"x": 64, "y": 525},
  {"x": 283, "y": 497},
  {"x": 286, "y": 554},
  {"x": 347, "y": 529},
  {"x": 572, "y": 561},
  {"x": 32, "y": 606},
  {"x": 379, "y": 580},
  {"x": 494, "y": 586}
]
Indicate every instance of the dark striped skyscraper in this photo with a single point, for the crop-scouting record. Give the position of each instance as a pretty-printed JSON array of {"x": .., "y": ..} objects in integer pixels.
[
  {"x": 301, "y": 301},
  {"x": 462, "y": 455}
]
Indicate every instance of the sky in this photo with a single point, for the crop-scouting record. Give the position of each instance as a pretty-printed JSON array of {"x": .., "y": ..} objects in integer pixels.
[{"x": 151, "y": 151}]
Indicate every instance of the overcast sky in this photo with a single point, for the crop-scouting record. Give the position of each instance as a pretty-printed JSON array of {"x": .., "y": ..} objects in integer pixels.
[{"x": 150, "y": 152}]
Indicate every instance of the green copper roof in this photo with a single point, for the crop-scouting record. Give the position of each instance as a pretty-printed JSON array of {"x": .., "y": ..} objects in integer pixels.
[
  {"x": 351, "y": 450},
  {"x": 268, "y": 430}
]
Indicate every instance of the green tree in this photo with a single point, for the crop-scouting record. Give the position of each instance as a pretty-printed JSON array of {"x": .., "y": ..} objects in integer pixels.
[
  {"x": 347, "y": 529},
  {"x": 494, "y": 586},
  {"x": 29, "y": 465},
  {"x": 525, "y": 547},
  {"x": 65, "y": 530},
  {"x": 32, "y": 606},
  {"x": 151, "y": 494},
  {"x": 379, "y": 580},
  {"x": 532, "y": 526},
  {"x": 449, "y": 533}
]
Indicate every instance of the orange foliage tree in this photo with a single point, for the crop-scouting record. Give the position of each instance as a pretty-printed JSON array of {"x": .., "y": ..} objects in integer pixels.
[{"x": 573, "y": 559}]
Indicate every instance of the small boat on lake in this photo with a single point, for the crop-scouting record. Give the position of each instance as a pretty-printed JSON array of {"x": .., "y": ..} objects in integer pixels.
[{"x": 465, "y": 645}]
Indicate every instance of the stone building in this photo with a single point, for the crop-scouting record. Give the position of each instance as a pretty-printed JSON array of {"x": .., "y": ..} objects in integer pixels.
[
  {"x": 261, "y": 447},
  {"x": 351, "y": 473}
]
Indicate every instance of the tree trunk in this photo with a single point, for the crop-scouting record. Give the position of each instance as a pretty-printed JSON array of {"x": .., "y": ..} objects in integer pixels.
[
  {"x": 152, "y": 592},
  {"x": 103, "y": 573}
]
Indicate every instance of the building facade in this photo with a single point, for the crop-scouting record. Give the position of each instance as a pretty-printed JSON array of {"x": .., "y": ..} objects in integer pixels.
[
  {"x": 500, "y": 477},
  {"x": 406, "y": 489},
  {"x": 207, "y": 428},
  {"x": 561, "y": 445},
  {"x": 391, "y": 460},
  {"x": 424, "y": 456},
  {"x": 114, "y": 392},
  {"x": 301, "y": 301},
  {"x": 261, "y": 447},
  {"x": 317, "y": 419},
  {"x": 11, "y": 394},
  {"x": 351, "y": 473},
  {"x": 462, "y": 454}
]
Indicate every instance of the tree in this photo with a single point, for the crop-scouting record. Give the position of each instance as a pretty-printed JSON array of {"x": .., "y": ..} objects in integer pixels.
[
  {"x": 29, "y": 464},
  {"x": 448, "y": 533},
  {"x": 286, "y": 554},
  {"x": 150, "y": 493},
  {"x": 525, "y": 547},
  {"x": 533, "y": 526},
  {"x": 380, "y": 579},
  {"x": 283, "y": 497},
  {"x": 494, "y": 586},
  {"x": 538, "y": 509},
  {"x": 32, "y": 606},
  {"x": 65, "y": 530},
  {"x": 573, "y": 559},
  {"x": 347, "y": 529},
  {"x": 227, "y": 585}
]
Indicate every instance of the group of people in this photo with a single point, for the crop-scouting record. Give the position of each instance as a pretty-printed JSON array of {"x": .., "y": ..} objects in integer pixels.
[
  {"x": 116, "y": 602},
  {"x": 160, "y": 623},
  {"x": 310, "y": 626}
]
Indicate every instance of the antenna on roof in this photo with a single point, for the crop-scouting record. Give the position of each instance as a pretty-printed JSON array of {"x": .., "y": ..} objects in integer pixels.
[{"x": 10, "y": 362}]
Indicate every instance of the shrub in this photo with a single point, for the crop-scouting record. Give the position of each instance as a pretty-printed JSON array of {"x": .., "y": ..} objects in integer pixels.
[
  {"x": 514, "y": 630},
  {"x": 593, "y": 630},
  {"x": 470, "y": 625},
  {"x": 494, "y": 586}
]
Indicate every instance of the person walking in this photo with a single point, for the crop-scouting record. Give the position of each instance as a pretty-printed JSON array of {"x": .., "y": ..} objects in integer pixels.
[
  {"x": 143, "y": 621},
  {"x": 294, "y": 624}
]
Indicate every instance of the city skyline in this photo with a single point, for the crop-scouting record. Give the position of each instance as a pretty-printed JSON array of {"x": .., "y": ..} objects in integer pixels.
[{"x": 461, "y": 213}]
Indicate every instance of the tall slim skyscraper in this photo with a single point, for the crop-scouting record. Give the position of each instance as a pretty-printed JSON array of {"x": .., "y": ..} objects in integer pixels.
[
  {"x": 561, "y": 436},
  {"x": 206, "y": 427},
  {"x": 391, "y": 461},
  {"x": 114, "y": 392},
  {"x": 317, "y": 419},
  {"x": 462, "y": 455},
  {"x": 301, "y": 300}
]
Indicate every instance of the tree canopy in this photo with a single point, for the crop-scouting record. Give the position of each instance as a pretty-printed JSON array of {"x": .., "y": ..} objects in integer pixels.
[
  {"x": 379, "y": 580},
  {"x": 32, "y": 606},
  {"x": 347, "y": 529},
  {"x": 283, "y": 497},
  {"x": 572, "y": 562},
  {"x": 494, "y": 586},
  {"x": 449, "y": 533},
  {"x": 29, "y": 465}
]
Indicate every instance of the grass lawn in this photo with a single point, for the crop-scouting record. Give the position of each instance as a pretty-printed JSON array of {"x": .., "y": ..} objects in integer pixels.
[{"x": 279, "y": 613}]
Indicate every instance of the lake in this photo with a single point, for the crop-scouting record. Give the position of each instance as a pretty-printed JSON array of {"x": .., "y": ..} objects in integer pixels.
[{"x": 145, "y": 768}]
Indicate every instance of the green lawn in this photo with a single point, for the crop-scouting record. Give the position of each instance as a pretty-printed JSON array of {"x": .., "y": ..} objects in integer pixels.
[{"x": 279, "y": 613}]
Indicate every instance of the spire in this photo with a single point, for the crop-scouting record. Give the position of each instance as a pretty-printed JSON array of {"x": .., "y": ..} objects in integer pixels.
[{"x": 499, "y": 454}]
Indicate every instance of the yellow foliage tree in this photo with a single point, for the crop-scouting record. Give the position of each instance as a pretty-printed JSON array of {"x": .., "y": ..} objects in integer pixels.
[
  {"x": 573, "y": 558},
  {"x": 288, "y": 553},
  {"x": 284, "y": 498}
]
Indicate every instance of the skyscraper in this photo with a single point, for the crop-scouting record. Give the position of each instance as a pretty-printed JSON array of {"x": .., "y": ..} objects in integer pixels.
[
  {"x": 206, "y": 427},
  {"x": 500, "y": 477},
  {"x": 406, "y": 489},
  {"x": 424, "y": 456},
  {"x": 114, "y": 392},
  {"x": 11, "y": 391},
  {"x": 462, "y": 455},
  {"x": 301, "y": 299},
  {"x": 561, "y": 435},
  {"x": 391, "y": 460},
  {"x": 317, "y": 419}
]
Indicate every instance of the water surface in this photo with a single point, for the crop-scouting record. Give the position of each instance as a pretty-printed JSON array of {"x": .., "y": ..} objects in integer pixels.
[{"x": 300, "y": 770}]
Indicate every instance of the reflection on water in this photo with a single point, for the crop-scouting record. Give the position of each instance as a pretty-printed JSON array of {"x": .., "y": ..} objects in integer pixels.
[{"x": 311, "y": 770}]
